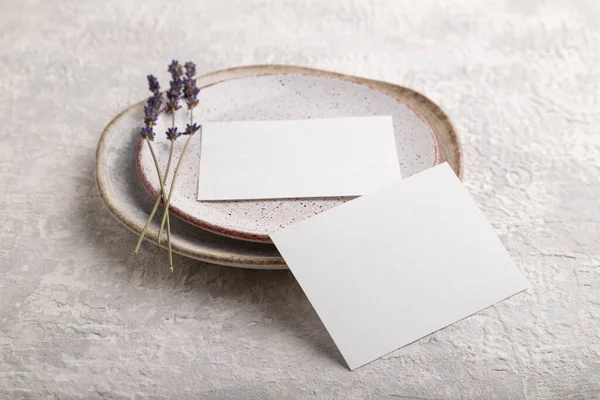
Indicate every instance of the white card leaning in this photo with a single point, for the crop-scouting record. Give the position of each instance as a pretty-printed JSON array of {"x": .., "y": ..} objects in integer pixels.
[
  {"x": 304, "y": 158},
  {"x": 399, "y": 263}
]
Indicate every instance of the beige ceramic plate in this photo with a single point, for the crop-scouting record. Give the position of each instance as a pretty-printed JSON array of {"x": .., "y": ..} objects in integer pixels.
[
  {"x": 283, "y": 95},
  {"x": 126, "y": 199}
]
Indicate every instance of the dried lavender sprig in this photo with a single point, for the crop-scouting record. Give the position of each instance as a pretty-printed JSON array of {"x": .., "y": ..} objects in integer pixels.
[
  {"x": 173, "y": 94},
  {"x": 155, "y": 101},
  {"x": 153, "y": 84},
  {"x": 190, "y": 95},
  {"x": 190, "y": 69},
  {"x": 190, "y": 129},
  {"x": 154, "y": 209},
  {"x": 175, "y": 69},
  {"x": 151, "y": 111},
  {"x": 160, "y": 179},
  {"x": 147, "y": 133},
  {"x": 171, "y": 135},
  {"x": 190, "y": 90},
  {"x": 176, "y": 85},
  {"x": 170, "y": 251},
  {"x": 168, "y": 202}
]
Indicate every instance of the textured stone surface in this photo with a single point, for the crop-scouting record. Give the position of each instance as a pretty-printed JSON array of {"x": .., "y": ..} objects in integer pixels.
[{"x": 82, "y": 318}]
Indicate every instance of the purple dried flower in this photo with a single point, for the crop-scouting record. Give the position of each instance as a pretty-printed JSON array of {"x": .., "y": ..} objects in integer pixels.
[
  {"x": 172, "y": 106},
  {"x": 190, "y": 93},
  {"x": 188, "y": 83},
  {"x": 190, "y": 129},
  {"x": 192, "y": 102},
  {"x": 152, "y": 109},
  {"x": 189, "y": 88},
  {"x": 172, "y": 133},
  {"x": 150, "y": 115},
  {"x": 153, "y": 84},
  {"x": 155, "y": 102},
  {"x": 147, "y": 132},
  {"x": 174, "y": 92},
  {"x": 175, "y": 69},
  {"x": 190, "y": 69}
]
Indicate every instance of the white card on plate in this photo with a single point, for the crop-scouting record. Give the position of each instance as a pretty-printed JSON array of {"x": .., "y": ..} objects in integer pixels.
[
  {"x": 303, "y": 158},
  {"x": 399, "y": 263}
]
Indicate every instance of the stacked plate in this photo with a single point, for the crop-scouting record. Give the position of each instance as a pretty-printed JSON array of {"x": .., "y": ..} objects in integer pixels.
[{"x": 235, "y": 233}]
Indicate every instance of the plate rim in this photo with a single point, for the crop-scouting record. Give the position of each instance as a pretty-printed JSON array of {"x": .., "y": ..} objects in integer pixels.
[
  {"x": 205, "y": 255},
  {"x": 264, "y": 262},
  {"x": 241, "y": 234}
]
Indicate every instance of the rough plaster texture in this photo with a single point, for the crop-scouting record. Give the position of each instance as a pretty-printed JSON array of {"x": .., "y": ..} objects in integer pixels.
[{"x": 82, "y": 318}]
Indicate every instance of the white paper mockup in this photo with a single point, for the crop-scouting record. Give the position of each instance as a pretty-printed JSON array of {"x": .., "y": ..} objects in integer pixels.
[
  {"x": 303, "y": 158},
  {"x": 399, "y": 263}
]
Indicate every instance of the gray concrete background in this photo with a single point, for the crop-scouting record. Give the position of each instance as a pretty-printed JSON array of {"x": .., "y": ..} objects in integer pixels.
[{"x": 82, "y": 318}]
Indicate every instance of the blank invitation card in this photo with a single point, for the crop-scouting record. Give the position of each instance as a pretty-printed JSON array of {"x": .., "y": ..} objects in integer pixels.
[
  {"x": 303, "y": 158},
  {"x": 399, "y": 263}
]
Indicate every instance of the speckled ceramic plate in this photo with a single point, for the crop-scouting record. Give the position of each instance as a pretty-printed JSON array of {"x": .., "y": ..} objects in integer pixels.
[
  {"x": 282, "y": 95},
  {"x": 125, "y": 197}
]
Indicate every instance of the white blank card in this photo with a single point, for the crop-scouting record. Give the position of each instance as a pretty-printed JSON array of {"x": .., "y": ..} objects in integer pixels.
[
  {"x": 399, "y": 263},
  {"x": 304, "y": 158}
]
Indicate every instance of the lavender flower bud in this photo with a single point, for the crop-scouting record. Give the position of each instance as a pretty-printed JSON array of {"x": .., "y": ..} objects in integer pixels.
[
  {"x": 175, "y": 69},
  {"x": 176, "y": 85},
  {"x": 190, "y": 93},
  {"x": 172, "y": 106},
  {"x": 153, "y": 84},
  {"x": 150, "y": 114},
  {"x": 147, "y": 132},
  {"x": 175, "y": 91},
  {"x": 172, "y": 133},
  {"x": 190, "y": 69},
  {"x": 155, "y": 102},
  {"x": 190, "y": 129}
]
